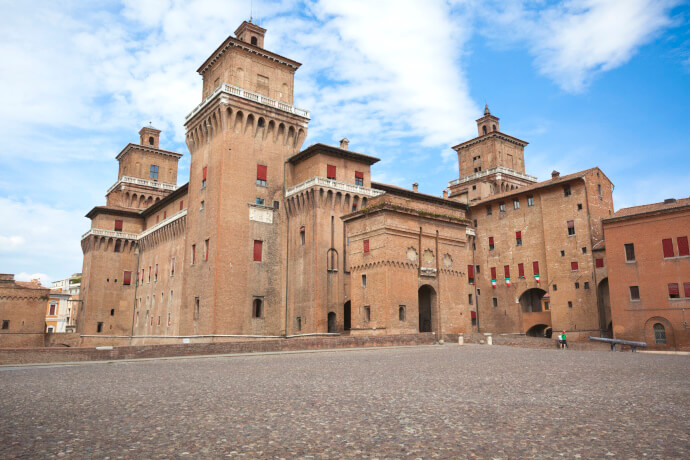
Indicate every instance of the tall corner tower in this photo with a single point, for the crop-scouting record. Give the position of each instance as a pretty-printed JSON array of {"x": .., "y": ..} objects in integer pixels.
[
  {"x": 491, "y": 163},
  {"x": 240, "y": 137}
]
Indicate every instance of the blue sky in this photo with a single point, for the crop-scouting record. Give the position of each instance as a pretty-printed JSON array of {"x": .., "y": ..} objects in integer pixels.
[{"x": 585, "y": 82}]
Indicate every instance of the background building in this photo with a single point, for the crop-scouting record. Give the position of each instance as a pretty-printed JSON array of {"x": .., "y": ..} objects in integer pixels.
[
  {"x": 648, "y": 262},
  {"x": 22, "y": 312}
]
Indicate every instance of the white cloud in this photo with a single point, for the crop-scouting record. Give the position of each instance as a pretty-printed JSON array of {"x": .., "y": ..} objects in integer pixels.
[
  {"x": 23, "y": 276},
  {"x": 10, "y": 242},
  {"x": 575, "y": 40}
]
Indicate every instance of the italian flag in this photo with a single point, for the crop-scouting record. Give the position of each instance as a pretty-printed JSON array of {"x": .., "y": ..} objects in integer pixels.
[
  {"x": 493, "y": 284},
  {"x": 536, "y": 278},
  {"x": 508, "y": 282}
]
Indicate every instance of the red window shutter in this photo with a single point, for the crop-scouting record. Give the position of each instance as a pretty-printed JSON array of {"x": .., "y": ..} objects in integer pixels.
[
  {"x": 142, "y": 275},
  {"x": 118, "y": 225},
  {"x": 573, "y": 266},
  {"x": 521, "y": 270},
  {"x": 330, "y": 172},
  {"x": 491, "y": 241},
  {"x": 686, "y": 288},
  {"x": 165, "y": 214},
  {"x": 673, "y": 289},
  {"x": 359, "y": 175},
  {"x": 258, "y": 245},
  {"x": 181, "y": 204},
  {"x": 470, "y": 271},
  {"x": 683, "y": 249},
  {"x": 473, "y": 314},
  {"x": 535, "y": 267},
  {"x": 518, "y": 235},
  {"x": 493, "y": 273},
  {"x": 599, "y": 263},
  {"x": 366, "y": 246},
  {"x": 156, "y": 270},
  {"x": 127, "y": 279},
  {"x": 667, "y": 244},
  {"x": 158, "y": 218},
  {"x": 204, "y": 178},
  {"x": 506, "y": 270},
  {"x": 206, "y": 250},
  {"x": 261, "y": 172}
]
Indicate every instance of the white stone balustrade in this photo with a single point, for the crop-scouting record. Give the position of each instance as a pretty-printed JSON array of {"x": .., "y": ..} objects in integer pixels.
[
  {"x": 250, "y": 96},
  {"x": 142, "y": 182},
  {"x": 135, "y": 236},
  {"x": 496, "y": 170},
  {"x": 332, "y": 184}
]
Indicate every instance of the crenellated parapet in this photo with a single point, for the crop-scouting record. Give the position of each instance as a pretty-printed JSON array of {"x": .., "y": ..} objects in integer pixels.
[{"x": 330, "y": 194}]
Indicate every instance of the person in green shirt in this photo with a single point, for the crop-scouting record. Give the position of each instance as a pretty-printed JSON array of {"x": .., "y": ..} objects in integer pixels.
[{"x": 564, "y": 340}]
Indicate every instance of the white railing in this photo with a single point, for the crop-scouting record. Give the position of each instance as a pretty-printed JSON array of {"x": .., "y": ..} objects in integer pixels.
[
  {"x": 163, "y": 223},
  {"x": 498, "y": 169},
  {"x": 250, "y": 96},
  {"x": 110, "y": 233},
  {"x": 135, "y": 236},
  {"x": 144, "y": 182},
  {"x": 333, "y": 184}
]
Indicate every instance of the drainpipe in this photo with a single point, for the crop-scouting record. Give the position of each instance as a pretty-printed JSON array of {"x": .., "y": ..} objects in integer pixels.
[
  {"x": 439, "y": 328},
  {"x": 136, "y": 287},
  {"x": 287, "y": 249}
]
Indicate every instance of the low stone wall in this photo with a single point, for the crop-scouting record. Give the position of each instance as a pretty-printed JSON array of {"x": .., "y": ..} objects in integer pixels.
[{"x": 64, "y": 354}]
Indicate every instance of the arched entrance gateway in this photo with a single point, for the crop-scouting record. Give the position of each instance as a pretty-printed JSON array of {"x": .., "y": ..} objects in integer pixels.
[
  {"x": 427, "y": 305},
  {"x": 536, "y": 314},
  {"x": 531, "y": 300},
  {"x": 604, "y": 302}
]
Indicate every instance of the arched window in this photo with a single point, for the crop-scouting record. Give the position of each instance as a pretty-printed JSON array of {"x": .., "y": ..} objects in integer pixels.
[
  {"x": 494, "y": 127},
  {"x": 332, "y": 260},
  {"x": 659, "y": 334},
  {"x": 484, "y": 129},
  {"x": 261, "y": 123},
  {"x": 401, "y": 312},
  {"x": 257, "y": 308},
  {"x": 151, "y": 140},
  {"x": 254, "y": 41}
]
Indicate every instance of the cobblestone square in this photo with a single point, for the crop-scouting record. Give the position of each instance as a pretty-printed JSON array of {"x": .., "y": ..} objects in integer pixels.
[{"x": 429, "y": 402}]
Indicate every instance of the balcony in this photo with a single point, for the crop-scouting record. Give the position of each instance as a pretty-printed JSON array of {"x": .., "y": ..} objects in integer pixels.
[
  {"x": 332, "y": 184},
  {"x": 250, "y": 96},
  {"x": 142, "y": 182},
  {"x": 488, "y": 172}
]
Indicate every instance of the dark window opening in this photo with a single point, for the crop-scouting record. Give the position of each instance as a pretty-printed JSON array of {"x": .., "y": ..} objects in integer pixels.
[
  {"x": 484, "y": 129},
  {"x": 571, "y": 227},
  {"x": 257, "y": 308},
  {"x": 99, "y": 327},
  {"x": 659, "y": 334},
  {"x": 364, "y": 280},
  {"x": 586, "y": 284},
  {"x": 530, "y": 200},
  {"x": 579, "y": 206},
  {"x": 5, "y": 324},
  {"x": 555, "y": 287},
  {"x": 151, "y": 140},
  {"x": 567, "y": 191},
  {"x": 634, "y": 293},
  {"x": 584, "y": 250},
  {"x": 562, "y": 253},
  {"x": 401, "y": 313},
  {"x": 302, "y": 235},
  {"x": 577, "y": 285},
  {"x": 118, "y": 246},
  {"x": 502, "y": 207},
  {"x": 112, "y": 312},
  {"x": 299, "y": 323},
  {"x": 196, "y": 308},
  {"x": 254, "y": 41},
  {"x": 630, "y": 252},
  {"x": 488, "y": 210},
  {"x": 495, "y": 302},
  {"x": 367, "y": 314},
  {"x": 469, "y": 299},
  {"x": 570, "y": 304}
]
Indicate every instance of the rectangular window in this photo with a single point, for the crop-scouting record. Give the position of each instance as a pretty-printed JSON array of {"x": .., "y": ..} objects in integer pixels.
[
  {"x": 477, "y": 269},
  {"x": 579, "y": 206},
  {"x": 258, "y": 249},
  {"x": 155, "y": 276},
  {"x": 330, "y": 172},
  {"x": 683, "y": 249},
  {"x": 634, "y": 293},
  {"x": 364, "y": 280},
  {"x": 630, "y": 252},
  {"x": 299, "y": 323},
  {"x": 673, "y": 291},
  {"x": 172, "y": 267},
  {"x": 359, "y": 178},
  {"x": 261, "y": 175},
  {"x": 203, "y": 178},
  {"x": 51, "y": 311},
  {"x": 193, "y": 253},
  {"x": 99, "y": 327},
  {"x": 488, "y": 210},
  {"x": 470, "y": 274},
  {"x": 367, "y": 314},
  {"x": 149, "y": 273},
  {"x": 169, "y": 320},
  {"x": 573, "y": 266},
  {"x": 571, "y": 227},
  {"x": 302, "y": 235},
  {"x": 577, "y": 285},
  {"x": 495, "y": 301},
  {"x": 366, "y": 246},
  {"x": 493, "y": 273},
  {"x": 667, "y": 245},
  {"x": 181, "y": 205},
  {"x": 586, "y": 284},
  {"x": 599, "y": 191},
  {"x": 469, "y": 299},
  {"x": 546, "y": 305},
  {"x": 118, "y": 225},
  {"x": 196, "y": 308},
  {"x": 127, "y": 278},
  {"x": 165, "y": 214},
  {"x": 686, "y": 288},
  {"x": 530, "y": 200},
  {"x": 570, "y": 304},
  {"x": 142, "y": 274},
  {"x": 202, "y": 205},
  {"x": 506, "y": 271},
  {"x": 521, "y": 270},
  {"x": 516, "y": 204},
  {"x": 260, "y": 201},
  {"x": 206, "y": 250},
  {"x": 491, "y": 243},
  {"x": 153, "y": 172},
  {"x": 535, "y": 267},
  {"x": 566, "y": 190},
  {"x": 5, "y": 324},
  {"x": 518, "y": 238},
  {"x": 555, "y": 287},
  {"x": 584, "y": 249},
  {"x": 502, "y": 207}
]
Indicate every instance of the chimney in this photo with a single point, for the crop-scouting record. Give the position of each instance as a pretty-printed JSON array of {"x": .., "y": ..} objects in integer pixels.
[
  {"x": 669, "y": 200},
  {"x": 415, "y": 187},
  {"x": 445, "y": 194},
  {"x": 555, "y": 174},
  {"x": 344, "y": 143}
]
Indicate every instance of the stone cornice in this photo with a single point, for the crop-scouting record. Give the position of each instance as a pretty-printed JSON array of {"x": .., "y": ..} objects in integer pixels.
[
  {"x": 492, "y": 134},
  {"x": 148, "y": 149},
  {"x": 232, "y": 42}
]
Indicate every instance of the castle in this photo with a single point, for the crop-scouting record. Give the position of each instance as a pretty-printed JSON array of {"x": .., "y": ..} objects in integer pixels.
[{"x": 268, "y": 239}]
